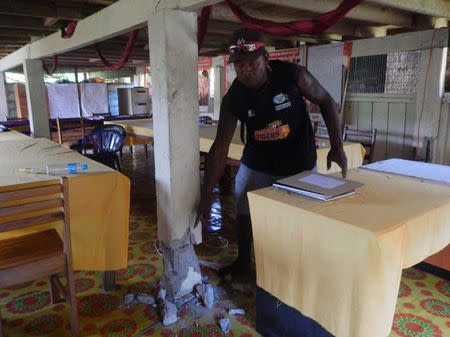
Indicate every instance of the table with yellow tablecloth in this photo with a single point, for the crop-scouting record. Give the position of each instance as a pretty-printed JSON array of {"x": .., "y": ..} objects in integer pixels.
[
  {"x": 99, "y": 199},
  {"x": 340, "y": 262},
  {"x": 144, "y": 128}
]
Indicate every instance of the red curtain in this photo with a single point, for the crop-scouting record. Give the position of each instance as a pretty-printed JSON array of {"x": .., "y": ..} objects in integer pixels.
[
  {"x": 314, "y": 26},
  {"x": 124, "y": 58}
]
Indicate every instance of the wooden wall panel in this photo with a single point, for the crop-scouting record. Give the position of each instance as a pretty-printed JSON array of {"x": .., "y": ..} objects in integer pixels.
[
  {"x": 396, "y": 130},
  {"x": 410, "y": 131},
  {"x": 380, "y": 122},
  {"x": 392, "y": 115},
  {"x": 365, "y": 115}
]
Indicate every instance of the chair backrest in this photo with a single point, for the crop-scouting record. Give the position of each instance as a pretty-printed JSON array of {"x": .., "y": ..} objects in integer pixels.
[
  {"x": 104, "y": 140},
  {"x": 114, "y": 127},
  {"x": 321, "y": 132},
  {"x": 35, "y": 206},
  {"x": 365, "y": 138},
  {"x": 205, "y": 120}
]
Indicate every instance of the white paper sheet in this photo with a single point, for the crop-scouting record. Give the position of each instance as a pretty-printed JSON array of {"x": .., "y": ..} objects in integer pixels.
[
  {"x": 94, "y": 99},
  {"x": 325, "y": 63},
  {"x": 417, "y": 169},
  {"x": 63, "y": 100},
  {"x": 321, "y": 181}
]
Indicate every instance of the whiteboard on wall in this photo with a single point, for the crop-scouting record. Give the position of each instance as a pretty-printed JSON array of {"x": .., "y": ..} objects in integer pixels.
[
  {"x": 63, "y": 100},
  {"x": 94, "y": 99},
  {"x": 325, "y": 63}
]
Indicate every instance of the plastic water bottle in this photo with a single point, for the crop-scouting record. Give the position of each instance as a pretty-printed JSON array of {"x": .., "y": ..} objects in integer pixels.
[{"x": 69, "y": 168}]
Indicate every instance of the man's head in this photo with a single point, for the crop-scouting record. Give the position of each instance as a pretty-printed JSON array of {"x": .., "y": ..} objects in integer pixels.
[{"x": 248, "y": 53}]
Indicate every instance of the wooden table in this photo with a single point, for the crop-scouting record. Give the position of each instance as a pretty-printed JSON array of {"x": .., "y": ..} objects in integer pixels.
[
  {"x": 100, "y": 199},
  {"x": 340, "y": 262},
  {"x": 143, "y": 128}
]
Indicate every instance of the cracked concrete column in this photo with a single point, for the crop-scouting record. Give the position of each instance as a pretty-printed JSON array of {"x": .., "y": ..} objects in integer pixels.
[
  {"x": 173, "y": 65},
  {"x": 36, "y": 98},
  {"x": 3, "y": 98}
]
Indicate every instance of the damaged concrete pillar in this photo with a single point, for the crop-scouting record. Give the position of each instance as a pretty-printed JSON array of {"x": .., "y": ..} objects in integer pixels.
[
  {"x": 173, "y": 64},
  {"x": 36, "y": 98}
]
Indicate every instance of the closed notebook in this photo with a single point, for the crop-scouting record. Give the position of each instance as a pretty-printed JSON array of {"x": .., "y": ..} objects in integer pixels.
[{"x": 318, "y": 186}]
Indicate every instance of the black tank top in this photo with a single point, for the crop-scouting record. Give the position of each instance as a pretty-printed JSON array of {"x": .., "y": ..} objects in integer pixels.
[{"x": 280, "y": 139}]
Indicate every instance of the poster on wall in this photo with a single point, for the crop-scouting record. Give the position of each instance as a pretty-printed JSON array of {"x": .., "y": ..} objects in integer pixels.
[
  {"x": 94, "y": 99},
  {"x": 204, "y": 69},
  {"x": 288, "y": 55},
  {"x": 326, "y": 63}
]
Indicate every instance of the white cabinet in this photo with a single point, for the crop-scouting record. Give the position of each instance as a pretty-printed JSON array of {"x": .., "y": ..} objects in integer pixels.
[{"x": 134, "y": 101}]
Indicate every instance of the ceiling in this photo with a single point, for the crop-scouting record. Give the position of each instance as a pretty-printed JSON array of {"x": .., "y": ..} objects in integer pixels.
[{"x": 24, "y": 21}]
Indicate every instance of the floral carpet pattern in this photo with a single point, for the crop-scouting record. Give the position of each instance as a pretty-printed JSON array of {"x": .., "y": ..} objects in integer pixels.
[{"x": 423, "y": 307}]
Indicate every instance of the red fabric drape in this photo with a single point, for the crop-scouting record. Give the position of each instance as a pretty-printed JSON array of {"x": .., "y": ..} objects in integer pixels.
[
  {"x": 203, "y": 25},
  {"x": 315, "y": 26},
  {"x": 124, "y": 58},
  {"x": 55, "y": 65},
  {"x": 68, "y": 31}
]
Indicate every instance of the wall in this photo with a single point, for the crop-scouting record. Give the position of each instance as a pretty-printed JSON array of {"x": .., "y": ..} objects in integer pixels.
[
  {"x": 441, "y": 154},
  {"x": 392, "y": 115}
]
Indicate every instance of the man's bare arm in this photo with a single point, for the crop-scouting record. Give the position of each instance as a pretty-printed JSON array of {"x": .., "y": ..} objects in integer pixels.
[{"x": 311, "y": 89}]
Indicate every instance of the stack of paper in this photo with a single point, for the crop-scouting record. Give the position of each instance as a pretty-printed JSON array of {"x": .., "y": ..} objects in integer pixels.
[
  {"x": 409, "y": 168},
  {"x": 318, "y": 186}
]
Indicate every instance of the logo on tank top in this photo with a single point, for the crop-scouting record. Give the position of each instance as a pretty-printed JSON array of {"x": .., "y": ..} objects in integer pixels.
[
  {"x": 251, "y": 113},
  {"x": 273, "y": 131},
  {"x": 281, "y": 101}
]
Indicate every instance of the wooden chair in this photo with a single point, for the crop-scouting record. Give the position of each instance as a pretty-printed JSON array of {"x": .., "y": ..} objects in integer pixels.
[
  {"x": 365, "y": 138},
  {"x": 31, "y": 256}
]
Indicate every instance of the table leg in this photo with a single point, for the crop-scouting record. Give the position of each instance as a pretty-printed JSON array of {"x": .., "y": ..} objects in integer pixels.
[{"x": 109, "y": 280}]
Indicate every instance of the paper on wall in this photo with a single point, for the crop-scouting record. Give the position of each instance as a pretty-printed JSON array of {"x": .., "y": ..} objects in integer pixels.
[
  {"x": 94, "y": 99},
  {"x": 63, "y": 100}
]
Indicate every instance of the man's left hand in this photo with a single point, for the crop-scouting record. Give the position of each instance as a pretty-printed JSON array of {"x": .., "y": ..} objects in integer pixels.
[{"x": 338, "y": 156}]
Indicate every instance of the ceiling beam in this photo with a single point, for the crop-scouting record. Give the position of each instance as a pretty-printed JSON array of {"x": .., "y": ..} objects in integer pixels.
[
  {"x": 436, "y": 8},
  {"x": 50, "y": 21},
  {"x": 427, "y": 39},
  {"x": 190, "y": 5},
  {"x": 64, "y": 11},
  {"x": 116, "y": 19},
  {"x": 21, "y": 32},
  {"x": 363, "y": 12},
  {"x": 7, "y": 21}
]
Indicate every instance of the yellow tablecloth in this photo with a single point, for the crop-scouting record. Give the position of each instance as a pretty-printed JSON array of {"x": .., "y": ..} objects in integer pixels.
[
  {"x": 340, "y": 262},
  {"x": 99, "y": 200},
  {"x": 144, "y": 128}
]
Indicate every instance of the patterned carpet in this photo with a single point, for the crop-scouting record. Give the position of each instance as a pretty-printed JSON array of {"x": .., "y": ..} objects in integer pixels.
[{"x": 423, "y": 308}]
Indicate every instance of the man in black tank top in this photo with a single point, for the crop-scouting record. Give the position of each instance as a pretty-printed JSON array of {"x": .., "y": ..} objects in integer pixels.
[{"x": 267, "y": 97}]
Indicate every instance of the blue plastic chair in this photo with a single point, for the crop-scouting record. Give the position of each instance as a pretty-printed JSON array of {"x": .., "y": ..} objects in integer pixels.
[{"x": 106, "y": 142}]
